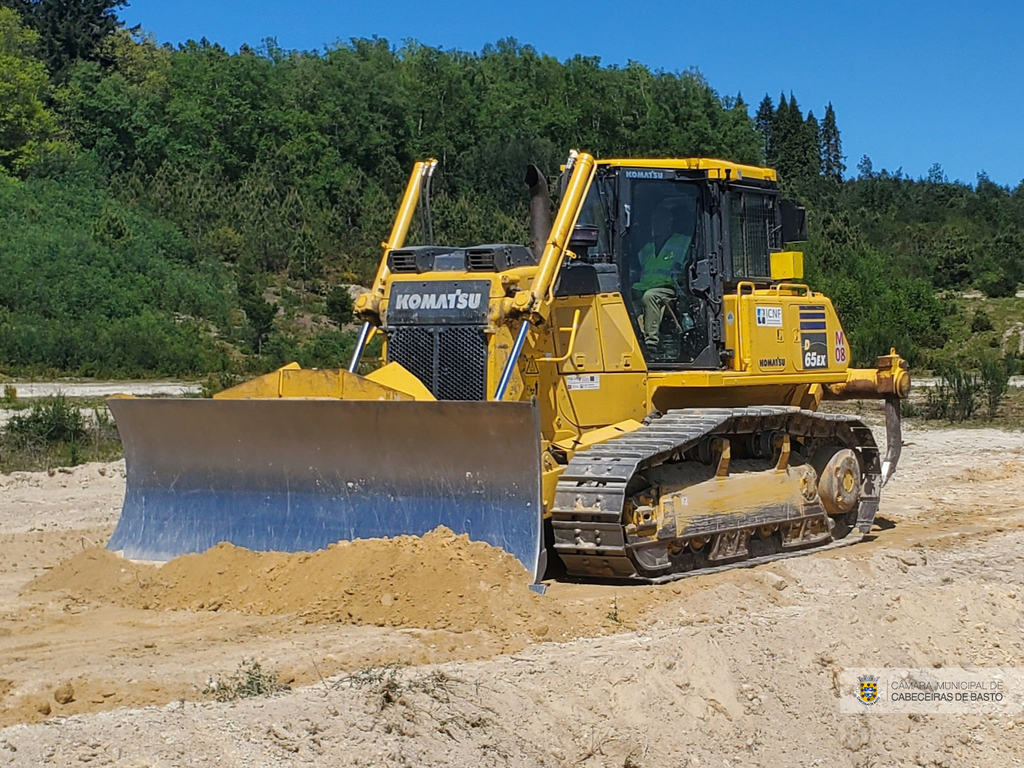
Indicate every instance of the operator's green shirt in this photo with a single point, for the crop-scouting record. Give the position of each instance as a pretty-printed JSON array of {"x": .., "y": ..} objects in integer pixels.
[{"x": 657, "y": 268}]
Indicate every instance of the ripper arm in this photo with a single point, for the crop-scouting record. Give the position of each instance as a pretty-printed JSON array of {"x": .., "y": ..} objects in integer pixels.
[{"x": 888, "y": 381}]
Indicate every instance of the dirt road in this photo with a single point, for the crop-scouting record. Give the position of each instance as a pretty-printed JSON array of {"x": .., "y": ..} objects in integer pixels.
[
  {"x": 734, "y": 669},
  {"x": 71, "y": 388}
]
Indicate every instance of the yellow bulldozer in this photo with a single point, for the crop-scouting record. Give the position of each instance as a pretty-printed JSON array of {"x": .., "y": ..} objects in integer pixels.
[{"x": 634, "y": 396}]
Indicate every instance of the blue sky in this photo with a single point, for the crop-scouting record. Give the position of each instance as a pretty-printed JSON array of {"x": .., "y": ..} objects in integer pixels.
[{"x": 913, "y": 83}]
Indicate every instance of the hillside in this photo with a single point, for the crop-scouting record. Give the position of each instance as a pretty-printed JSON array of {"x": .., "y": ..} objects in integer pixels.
[{"x": 182, "y": 211}]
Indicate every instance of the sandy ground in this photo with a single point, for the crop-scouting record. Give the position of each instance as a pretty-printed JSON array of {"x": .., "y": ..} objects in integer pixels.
[{"x": 733, "y": 669}]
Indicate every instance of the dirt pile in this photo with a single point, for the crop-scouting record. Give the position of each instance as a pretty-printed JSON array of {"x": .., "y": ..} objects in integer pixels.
[{"x": 439, "y": 581}]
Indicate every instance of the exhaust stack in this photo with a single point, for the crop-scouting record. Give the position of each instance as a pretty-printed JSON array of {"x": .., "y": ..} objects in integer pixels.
[{"x": 540, "y": 209}]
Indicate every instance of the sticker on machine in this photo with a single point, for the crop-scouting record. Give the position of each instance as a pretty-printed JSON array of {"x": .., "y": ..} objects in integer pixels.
[
  {"x": 769, "y": 317},
  {"x": 840, "y": 347},
  {"x": 815, "y": 350},
  {"x": 590, "y": 381}
]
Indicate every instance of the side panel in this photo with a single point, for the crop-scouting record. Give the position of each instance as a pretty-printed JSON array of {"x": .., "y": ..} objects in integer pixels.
[
  {"x": 776, "y": 333},
  {"x": 601, "y": 399},
  {"x": 298, "y": 475},
  {"x": 586, "y": 354},
  {"x": 602, "y": 382},
  {"x": 621, "y": 347}
]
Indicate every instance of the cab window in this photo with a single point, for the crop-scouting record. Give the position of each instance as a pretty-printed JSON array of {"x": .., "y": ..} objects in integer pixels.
[{"x": 659, "y": 250}]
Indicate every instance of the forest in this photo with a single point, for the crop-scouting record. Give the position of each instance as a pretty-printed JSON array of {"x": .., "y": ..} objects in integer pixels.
[{"x": 185, "y": 210}]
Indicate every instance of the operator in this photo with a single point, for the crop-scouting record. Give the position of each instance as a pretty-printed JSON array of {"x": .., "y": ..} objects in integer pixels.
[{"x": 661, "y": 265}]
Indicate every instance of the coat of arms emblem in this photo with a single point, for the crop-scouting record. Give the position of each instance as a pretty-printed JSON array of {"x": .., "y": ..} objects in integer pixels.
[{"x": 868, "y": 691}]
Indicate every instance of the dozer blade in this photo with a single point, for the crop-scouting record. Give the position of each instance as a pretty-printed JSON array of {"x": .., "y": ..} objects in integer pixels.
[{"x": 297, "y": 475}]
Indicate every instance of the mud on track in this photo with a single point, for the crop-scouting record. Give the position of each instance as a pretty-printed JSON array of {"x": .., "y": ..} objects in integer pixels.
[{"x": 732, "y": 669}]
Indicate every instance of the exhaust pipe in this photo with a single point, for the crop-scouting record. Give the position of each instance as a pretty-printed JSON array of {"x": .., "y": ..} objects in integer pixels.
[{"x": 540, "y": 209}]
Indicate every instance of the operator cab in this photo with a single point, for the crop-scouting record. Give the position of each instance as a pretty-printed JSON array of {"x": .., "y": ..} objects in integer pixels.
[{"x": 671, "y": 239}]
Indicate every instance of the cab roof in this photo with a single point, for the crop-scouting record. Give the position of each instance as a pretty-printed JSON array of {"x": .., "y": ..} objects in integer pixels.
[{"x": 716, "y": 169}]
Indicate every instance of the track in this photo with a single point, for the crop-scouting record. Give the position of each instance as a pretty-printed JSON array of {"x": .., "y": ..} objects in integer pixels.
[{"x": 592, "y": 493}]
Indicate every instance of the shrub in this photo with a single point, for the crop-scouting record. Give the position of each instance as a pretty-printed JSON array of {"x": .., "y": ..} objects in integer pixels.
[
  {"x": 995, "y": 381},
  {"x": 249, "y": 680},
  {"x": 48, "y": 422},
  {"x": 981, "y": 322},
  {"x": 998, "y": 285},
  {"x": 327, "y": 349},
  {"x": 54, "y": 432},
  {"x": 954, "y": 397},
  {"x": 98, "y": 288},
  {"x": 908, "y": 408},
  {"x": 339, "y": 305}
]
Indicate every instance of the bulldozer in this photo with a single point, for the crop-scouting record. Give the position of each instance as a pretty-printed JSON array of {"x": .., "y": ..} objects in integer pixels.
[{"x": 633, "y": 396}]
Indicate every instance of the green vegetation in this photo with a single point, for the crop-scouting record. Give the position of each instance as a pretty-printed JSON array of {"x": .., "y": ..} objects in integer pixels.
[
  {"x": 189, "y": 211},
  {"x": 26, "y": 125},
  {"x": 55, "y": 432},
  {"x": 954, "y": 397},
  {"x": 98, "y": 288},
  {"x": 248, "y": 681},
  {"x": 961, "y": 394}
]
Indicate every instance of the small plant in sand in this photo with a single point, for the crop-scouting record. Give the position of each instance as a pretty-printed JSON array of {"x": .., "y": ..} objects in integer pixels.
[
  {"x": 388, "y": 686},
  {"x": 248, "y": 681},
  {"x": 613, "y": 614}
]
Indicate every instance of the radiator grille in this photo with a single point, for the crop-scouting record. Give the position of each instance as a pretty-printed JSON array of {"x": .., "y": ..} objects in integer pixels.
[
  {"x": 480, "y": 261},
  {"x": 450, "y": 361},
  {"x": 403, "y": 262}
]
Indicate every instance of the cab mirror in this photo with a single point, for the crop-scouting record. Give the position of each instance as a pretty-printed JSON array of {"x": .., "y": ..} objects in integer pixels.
[{"x": 794, "y": 221}]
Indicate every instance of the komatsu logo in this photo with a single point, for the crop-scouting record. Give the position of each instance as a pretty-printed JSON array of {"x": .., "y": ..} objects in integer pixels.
[
  {"x": 645, "y": 175},
  {"x": 457, "y": 299}
]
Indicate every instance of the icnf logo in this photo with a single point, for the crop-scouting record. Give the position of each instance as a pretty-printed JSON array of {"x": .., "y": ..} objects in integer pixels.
[
  {"x": 769, "y": 316},
  {"x": 458, "y": 299}
]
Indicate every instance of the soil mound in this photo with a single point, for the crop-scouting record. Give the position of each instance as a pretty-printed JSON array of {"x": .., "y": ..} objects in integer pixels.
[{"x": 438, "y": 581}]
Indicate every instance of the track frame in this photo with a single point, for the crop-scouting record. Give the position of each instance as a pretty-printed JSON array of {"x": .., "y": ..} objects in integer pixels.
[{"x": 590, "y": 532}]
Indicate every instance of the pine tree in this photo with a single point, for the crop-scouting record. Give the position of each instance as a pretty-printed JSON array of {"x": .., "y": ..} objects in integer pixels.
[
  {"x": 781, "y": 131},
  {"x": 69, "y": 30},
  {"x": 763, "y": 122},
  {"x": 789, "y": 135},
  {"x": 812, "y": 146},
  {"x": 832, "y": 165}
]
